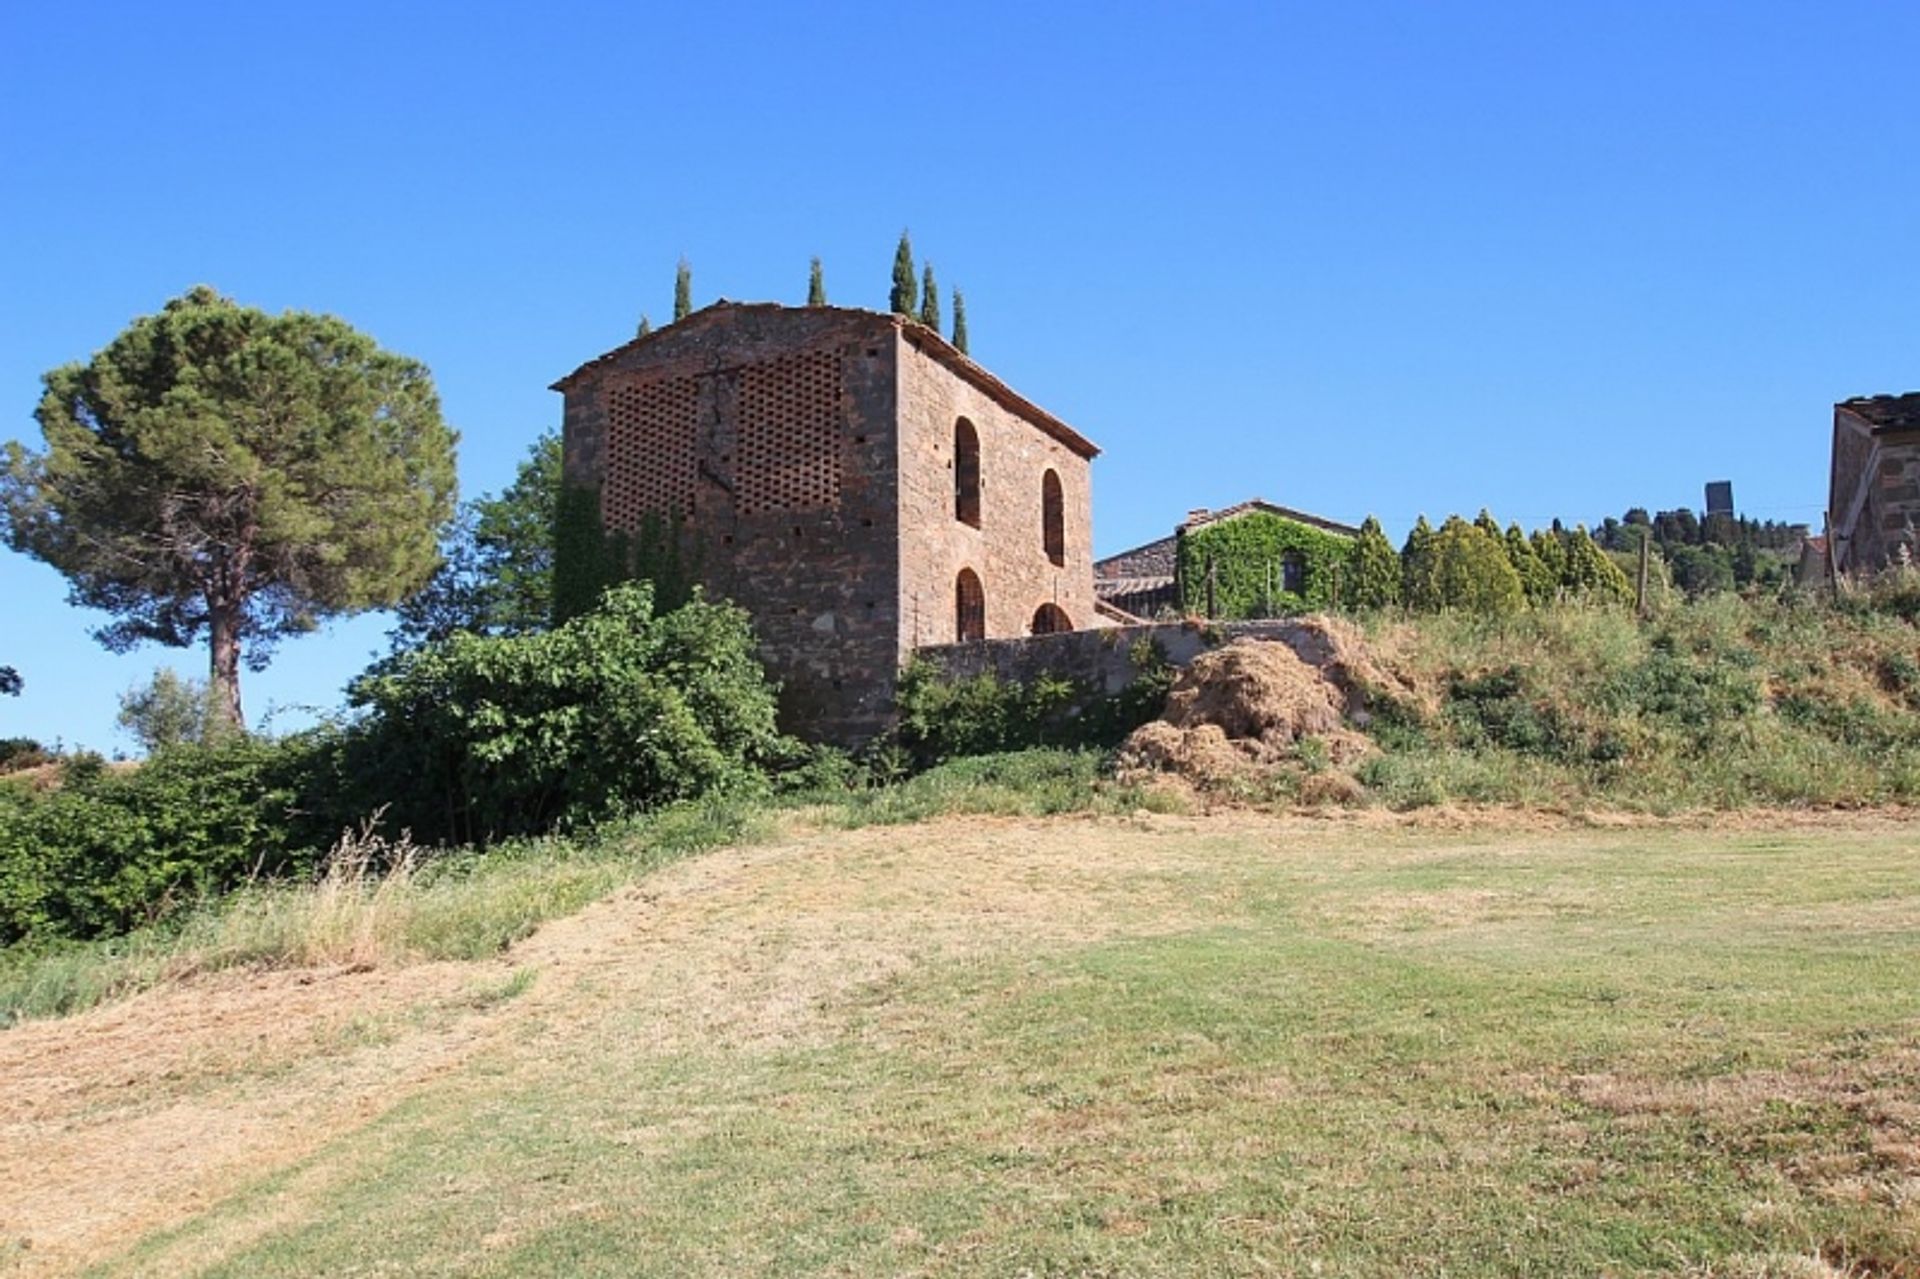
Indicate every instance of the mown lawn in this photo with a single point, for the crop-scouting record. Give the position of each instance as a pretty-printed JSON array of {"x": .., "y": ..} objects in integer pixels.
[{"x": 1168, "y": 1046}]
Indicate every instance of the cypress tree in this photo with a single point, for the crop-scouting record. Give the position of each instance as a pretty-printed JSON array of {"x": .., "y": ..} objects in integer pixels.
[
  {"x": 959, "y": 322},
  {"x": 683, "y": 291},
  {"x": 1471, "y": 571},
  {"x": 905, "y": 298},
  {"x": 1373, "y": 569},
  {"x": 816, "y": 286},
  {"x": 929, "y": 301},
  {"x": 1416, "y": 567},
  {"x": 1592, "y": 573},
  {"x": 646, "y": 326},
  {"x": 1536, "y": 579}
]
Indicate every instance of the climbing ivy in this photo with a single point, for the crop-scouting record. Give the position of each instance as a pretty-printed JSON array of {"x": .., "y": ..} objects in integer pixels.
[
  {"x": 588, "y": 559},
  {"x": 1248, "y": 553}
]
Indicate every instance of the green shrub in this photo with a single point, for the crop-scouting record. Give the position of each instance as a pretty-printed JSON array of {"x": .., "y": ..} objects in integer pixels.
[
  {"x": 619, "y": 710},
  {"x": 111, "y": 848},
  {"x": 942, "y": 718}
]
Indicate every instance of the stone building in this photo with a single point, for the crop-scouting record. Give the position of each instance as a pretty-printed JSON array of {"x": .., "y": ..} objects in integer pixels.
[
  {"x": 1873, "y": 499},
  {"x": 853, "y": 481}
]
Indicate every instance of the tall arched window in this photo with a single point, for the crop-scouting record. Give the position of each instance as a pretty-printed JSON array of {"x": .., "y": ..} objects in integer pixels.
[
  {"x": 970, "y": 607},
  {"x": 1053, "y": 518},
  {"x": 966, "y": 473},
  {"x": 1050, "y": 619}
]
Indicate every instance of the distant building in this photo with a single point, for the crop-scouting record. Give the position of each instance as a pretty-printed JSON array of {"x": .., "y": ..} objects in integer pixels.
[
  {"x": 1720, "y": 497},
  {"x": 1145, "y": 581},
  {"x": 1873, "y": 496}
]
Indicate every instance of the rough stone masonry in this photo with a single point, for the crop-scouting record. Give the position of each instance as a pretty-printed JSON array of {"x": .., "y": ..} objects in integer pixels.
[{"x": 849, "y": 478}]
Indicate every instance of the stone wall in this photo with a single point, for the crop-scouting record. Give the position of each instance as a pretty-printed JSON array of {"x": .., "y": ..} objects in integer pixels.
[
  {"x": 1875, "y": 492},
  {"x": 1007, "y": 550},
  {"x": 1104, "y": 660}
]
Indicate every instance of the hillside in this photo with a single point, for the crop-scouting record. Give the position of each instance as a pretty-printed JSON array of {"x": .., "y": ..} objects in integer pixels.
[{"x": 1237, "y": 1044}]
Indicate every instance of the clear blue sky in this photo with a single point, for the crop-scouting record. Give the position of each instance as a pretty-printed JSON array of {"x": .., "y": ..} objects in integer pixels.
[{"x": 1555, "y": 259}]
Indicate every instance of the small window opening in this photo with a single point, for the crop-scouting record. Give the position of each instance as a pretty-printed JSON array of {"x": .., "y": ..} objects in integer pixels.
[
  {"x": 970, "y": 607},
  {"x": 966, "y": 473},
  {"x": 1293, "y": 573},
  {"x": 1053, "y": 518}
]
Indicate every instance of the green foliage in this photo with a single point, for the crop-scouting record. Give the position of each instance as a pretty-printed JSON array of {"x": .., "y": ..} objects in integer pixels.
[
  {"x": 943, "y": 718},
  {"x": 816, "y": 285},
  {"x": 1250, "y": 553},
  {"x": 1373, "y": 570},
  {"x": 110, "y": 848},
  {"x": 588, "y": 559},
  {"x": 1417, "y": 588},
  {"x": 17, "y": 753},
  {"x": 959, "y": 322},
  {"x": 682, "y": 291},
  {"x": 217, "y": 470},
  {"x": 1470, "y": 570},
  {"x": 1590, "y": 575},
  {"x": 10, "y": 682},
  {"x": 905, "y": 297},
  {"x": 618, "y": 710},
  {"x": 1538, "y": 582},
  {"x": 169, "y": 711},
  {"x": 497, "y": 560},
  {"x": 645, "y": 326},
  {"x": 929, "y": 300}
]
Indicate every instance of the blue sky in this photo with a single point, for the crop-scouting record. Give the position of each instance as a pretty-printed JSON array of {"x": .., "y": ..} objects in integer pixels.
[{"x": 1555, "y": 259}]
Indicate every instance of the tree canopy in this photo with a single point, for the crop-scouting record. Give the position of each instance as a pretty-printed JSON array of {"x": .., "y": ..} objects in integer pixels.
[
  {"x": 959, "y": 322},
  {"x": 496, "y": 569},
  {"x": 682, "y": 291},
  {"x": 816, "y": 285},
  {"x": 219, "y": 471}
]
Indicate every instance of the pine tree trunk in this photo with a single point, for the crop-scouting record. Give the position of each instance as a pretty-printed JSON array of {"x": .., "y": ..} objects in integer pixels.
[{"x": 223, "y": 624}]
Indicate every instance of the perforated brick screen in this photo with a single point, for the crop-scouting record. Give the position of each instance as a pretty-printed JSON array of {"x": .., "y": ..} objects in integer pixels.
[
  {"x": 789, "y": 448},
  {"x": 650, "y": 442}
]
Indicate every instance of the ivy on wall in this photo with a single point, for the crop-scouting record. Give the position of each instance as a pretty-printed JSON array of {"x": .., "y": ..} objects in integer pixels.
[
  {"x": 588, "y": 559},
  {"x": 1250, "y": 554}
]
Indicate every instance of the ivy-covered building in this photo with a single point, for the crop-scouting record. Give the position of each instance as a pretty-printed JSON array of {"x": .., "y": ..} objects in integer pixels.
[{"x": 1251, "y": 559}]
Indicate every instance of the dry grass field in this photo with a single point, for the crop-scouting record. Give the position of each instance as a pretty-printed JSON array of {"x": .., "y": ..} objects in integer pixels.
[{"x": 1148, "y": 1045}]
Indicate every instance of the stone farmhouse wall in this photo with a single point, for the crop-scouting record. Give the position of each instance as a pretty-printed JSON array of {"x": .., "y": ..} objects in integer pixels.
[
  {"x": 1007, "y": 550},
  {"x": 1874, "y": 500}
]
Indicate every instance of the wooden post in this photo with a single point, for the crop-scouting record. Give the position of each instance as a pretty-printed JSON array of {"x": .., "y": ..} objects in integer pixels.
[{"x": 1640, "y": 586}]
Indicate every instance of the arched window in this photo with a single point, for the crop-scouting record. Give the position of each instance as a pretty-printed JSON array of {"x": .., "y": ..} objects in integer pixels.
[
  {"x": 1051, "y": 619},
  {"x": 1053, "y": 518},
  {"x": 966, "y": 473},
  {"x": 970, "y": 607}
]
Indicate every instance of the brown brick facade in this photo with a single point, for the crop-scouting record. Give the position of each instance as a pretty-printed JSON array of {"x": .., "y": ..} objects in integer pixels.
[{"x": 807, "y": 454}]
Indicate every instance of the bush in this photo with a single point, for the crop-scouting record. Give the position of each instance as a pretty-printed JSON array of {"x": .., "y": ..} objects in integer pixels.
[
  {"x": 620, "y": 710},
  {"x": 942, "y": 718},
  {"x": 111, "y": 848}
]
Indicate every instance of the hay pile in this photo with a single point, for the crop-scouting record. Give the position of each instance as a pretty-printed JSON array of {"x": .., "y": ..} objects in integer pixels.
[{"x": 1242, "y": 710}]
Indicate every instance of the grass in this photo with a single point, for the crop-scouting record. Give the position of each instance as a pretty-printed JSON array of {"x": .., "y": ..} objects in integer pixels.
[
  {"x": 1134, "y": 1047},
  {"x": 380, "y": 904}
]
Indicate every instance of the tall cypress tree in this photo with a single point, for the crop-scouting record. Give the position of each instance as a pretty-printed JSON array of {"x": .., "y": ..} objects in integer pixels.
[
  {"x": 929, "y": 301},
  {"x": 1416, "y": 567},
  {"x": 683, "y": 291},
  {"x": 905, "y": 298},
  {"x": 1373, "y": 569},
  {"x": 646, "y": 326},
  {"x": 816, "y": 286},
  {"x": 959, "y": 322}
]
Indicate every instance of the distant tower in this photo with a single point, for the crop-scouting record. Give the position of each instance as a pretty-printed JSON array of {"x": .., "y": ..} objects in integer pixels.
[{"x": 1720, "y": 497}]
